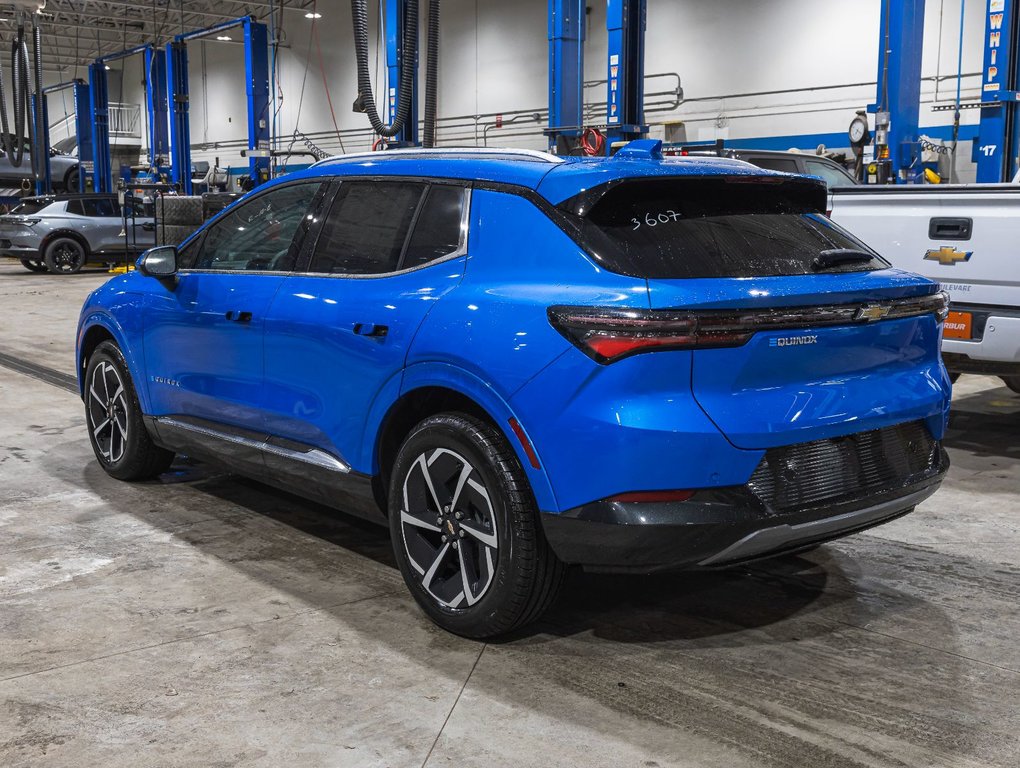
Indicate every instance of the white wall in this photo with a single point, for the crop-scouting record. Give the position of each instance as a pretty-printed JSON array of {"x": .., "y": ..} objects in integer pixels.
[{"x": 494, "y": 57}]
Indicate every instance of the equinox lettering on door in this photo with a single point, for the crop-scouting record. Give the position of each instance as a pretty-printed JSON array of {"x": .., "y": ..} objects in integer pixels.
[{"x": 793, "y": 341}]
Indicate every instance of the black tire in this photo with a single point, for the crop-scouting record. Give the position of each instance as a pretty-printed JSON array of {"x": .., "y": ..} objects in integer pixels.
[
  {"x": 953, "y": 377},
  {"x": 65, "y": 255},
  {"x": 1013, "y": 382},
  {"x": 114, "y": 419},
  {"x": 34, "y": 265},
  {"x": 71, "y": 180},
  {"x": 507, "y": 585}
]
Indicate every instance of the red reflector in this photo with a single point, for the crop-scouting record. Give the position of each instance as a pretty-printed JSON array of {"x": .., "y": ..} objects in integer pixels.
[
  {"x": 525, "y": 443},
  {"x": 614, "y": 346},
  {"x": 651, "y": 496}
]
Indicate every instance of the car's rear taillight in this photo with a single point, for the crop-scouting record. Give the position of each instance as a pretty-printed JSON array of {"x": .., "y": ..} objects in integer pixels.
[{"x": 608, "y": 334}]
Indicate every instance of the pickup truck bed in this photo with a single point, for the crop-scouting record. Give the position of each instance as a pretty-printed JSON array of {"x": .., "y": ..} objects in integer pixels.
[{"x": 968, "y": 238}]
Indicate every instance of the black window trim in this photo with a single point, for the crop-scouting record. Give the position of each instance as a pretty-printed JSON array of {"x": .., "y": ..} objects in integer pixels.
[
  {"x": 200, "y": 236},
  {"x": 312, "y": 242}
]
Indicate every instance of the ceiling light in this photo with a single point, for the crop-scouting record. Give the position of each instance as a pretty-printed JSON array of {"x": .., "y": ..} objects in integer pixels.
[
  {"x": 106, "y": 67},
  {"x": 313, "y": 15},
  {"x": 224, "y": 37}
]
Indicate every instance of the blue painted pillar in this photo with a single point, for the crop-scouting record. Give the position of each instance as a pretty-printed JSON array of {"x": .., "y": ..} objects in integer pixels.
[
  {"x": 901, "y": 36},
  {"x": 256, "y": 73},
  {"x": 394, "y": 27},
  {"x": 83, "y": 132},
  {"x": 156, "y": 106},
  {"x": 566, "y": 69},
  {"x": 99, "y": 107},
  {"x": 180, "y": 128},
  {"x": 999, "y": 132},
  {"x": 625, "y": 24},
  {"x": 41, "y": 147}
]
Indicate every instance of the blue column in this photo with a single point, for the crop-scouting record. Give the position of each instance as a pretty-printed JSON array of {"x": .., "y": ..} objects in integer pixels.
[
  {"x": 901, "y": 35},
  {"x": 180, "y": 128},
  {"x": 625, "y": 92},
  {"x": 99, "y": 107},
  {"x": 999, "y": 134},
  {"x": 394, "y": 28},
  {"x": 566, "y": 69},
  {"x": 256, "y": 77},
  {"x": 41, "y": 148},
  {"x": 156, "y": 105}
]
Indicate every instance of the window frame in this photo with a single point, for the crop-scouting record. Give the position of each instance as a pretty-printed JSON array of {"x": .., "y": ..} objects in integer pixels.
[
  {"x": 314, "y": 207},
  {"x": 304, "y": 260}
]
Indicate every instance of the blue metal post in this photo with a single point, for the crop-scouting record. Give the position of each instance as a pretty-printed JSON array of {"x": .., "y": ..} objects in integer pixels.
[
  {"x": 566, "y": 69},
  {"x": 901, "y": 36},
  {"x": 83, "y": 132},
  {"x": 256, "y": 73},
  {"x": 156, "y": 106},
  {"x": 394, "y": 27},
  {"x": 100, "y": 109},
  {"x": 625, "y": 24},
  {"x": 180, "y": 129},
  {"x": 41, "y": 118},
  {"x": 999, "y": 132}
]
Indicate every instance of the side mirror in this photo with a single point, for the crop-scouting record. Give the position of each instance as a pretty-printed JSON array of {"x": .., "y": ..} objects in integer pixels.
[{"x": 160, "y": 262}]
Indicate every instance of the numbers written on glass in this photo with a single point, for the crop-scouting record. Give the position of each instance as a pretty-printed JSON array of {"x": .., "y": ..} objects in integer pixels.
[{"x": 654, "y": 219}]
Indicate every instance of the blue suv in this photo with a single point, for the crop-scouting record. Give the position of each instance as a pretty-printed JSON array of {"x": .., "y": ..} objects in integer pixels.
[{"x": 522, "y": 362}]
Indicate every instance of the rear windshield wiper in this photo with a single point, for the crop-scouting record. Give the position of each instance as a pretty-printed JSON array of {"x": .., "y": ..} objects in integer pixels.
[{"x": 836, "y": 256}]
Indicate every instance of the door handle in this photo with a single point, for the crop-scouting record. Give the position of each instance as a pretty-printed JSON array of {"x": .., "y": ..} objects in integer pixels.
[
  {"x": 238, "y": 317},
  {"x": 370, "y": 329}
]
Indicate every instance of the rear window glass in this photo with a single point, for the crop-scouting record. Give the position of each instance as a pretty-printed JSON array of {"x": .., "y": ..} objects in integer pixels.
[
  {"x": 30, "y": 206},
  {"x": 712, "y": 227}
]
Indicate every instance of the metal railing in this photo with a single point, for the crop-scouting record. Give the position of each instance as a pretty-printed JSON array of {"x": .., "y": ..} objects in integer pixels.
[{"x": 125, "y": 121}]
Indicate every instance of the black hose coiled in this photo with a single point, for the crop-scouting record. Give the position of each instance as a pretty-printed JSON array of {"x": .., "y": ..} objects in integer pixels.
[
  {"x": 38, "y": 162},
  {"x": 431, "y": 70},
  {"x": 408, "y": 55},
  {"x": 19, "y": 74}
]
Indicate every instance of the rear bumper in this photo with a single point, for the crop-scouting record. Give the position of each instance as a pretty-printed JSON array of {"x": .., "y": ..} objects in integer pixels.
[
  {"x": 763, "y": 518},
  {"x": 995, "y": 348}
]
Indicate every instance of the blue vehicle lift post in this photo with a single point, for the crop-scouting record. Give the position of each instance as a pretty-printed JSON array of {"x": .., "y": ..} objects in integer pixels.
[
  {"x": 82, "y": 132},
  {"x": 407, "y": 136},
  {"x": 897, "y": 108},
  {"x": 155, "y": 104},
  {"x": 256, "y": 66},
  {"x": 566, "y": 70},
  {"x": 625, "y": 24},
  {"x": 999, "y": 132}
]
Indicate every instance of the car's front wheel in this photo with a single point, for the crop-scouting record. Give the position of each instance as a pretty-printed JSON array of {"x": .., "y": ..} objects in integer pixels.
[
  {"x": 1013, "y": 382},
  {"x": 465, "y": 529},
  {"x": 114, "y": 418},
  {"x": 34, "y": 265},
  {"x": 64, "y": 256}
]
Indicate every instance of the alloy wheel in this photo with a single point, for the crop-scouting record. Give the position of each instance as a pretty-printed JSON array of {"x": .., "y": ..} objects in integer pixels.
[
  {"x": 449, "y": 526},
  {"x": 108, "y": 412},
  {"x": 67, "y": 256}
]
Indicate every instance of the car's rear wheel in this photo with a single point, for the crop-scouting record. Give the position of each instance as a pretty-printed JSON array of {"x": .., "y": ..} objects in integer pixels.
[
  {"x": 34, "y": 265},
  {"x": 465, "y": 529},
  {"x": 72, "y": 180},
  {"x": 64, "y": 255},
  {"x": 114, "y": 418},
  {"x": 1013, "y": 382}
]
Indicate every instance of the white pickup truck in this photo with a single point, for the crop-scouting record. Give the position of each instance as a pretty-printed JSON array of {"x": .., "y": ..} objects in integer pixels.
[{"x": 968, "y": 238}]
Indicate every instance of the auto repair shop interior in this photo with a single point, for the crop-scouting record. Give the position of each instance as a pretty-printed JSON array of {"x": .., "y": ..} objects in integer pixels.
[{"x": 539, "y": 383}]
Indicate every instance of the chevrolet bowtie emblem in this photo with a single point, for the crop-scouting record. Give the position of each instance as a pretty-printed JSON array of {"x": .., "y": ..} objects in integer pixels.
[
  {"x": 871, "y": 312},
  {"x": 947, "y": 255}
]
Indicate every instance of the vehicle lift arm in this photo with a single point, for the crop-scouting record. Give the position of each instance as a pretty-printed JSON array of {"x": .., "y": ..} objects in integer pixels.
[
  {"x": 82, "y": 131},
  {"x": 999, "y": 133}
]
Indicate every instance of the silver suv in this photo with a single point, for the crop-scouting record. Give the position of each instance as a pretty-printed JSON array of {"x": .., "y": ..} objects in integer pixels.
[{"x": 62, "y": 233}]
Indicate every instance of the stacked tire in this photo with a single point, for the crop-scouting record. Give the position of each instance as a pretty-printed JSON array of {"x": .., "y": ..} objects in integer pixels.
[{"x": 177, "y": 217}]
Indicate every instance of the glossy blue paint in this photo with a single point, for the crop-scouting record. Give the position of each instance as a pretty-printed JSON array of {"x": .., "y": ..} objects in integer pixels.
[{"x": 477, "y": 324}]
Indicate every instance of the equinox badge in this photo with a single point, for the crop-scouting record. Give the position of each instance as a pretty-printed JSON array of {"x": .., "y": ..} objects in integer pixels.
[{"x": 792, "y": 341}]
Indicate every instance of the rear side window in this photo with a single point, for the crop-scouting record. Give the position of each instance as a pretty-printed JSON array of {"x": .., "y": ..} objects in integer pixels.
[
  {"x": 31, "y": 206},
  {"x": 366, "y": 228},
  {"x": 833, "y": 176},
  {"x": 103, "y": 207},
  {"x": 438, "y": 230},
  {"x": 711, "y": 227}
]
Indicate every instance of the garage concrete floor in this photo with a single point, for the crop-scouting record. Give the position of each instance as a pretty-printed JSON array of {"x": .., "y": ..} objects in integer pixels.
[{"x": 205, "y": 620}]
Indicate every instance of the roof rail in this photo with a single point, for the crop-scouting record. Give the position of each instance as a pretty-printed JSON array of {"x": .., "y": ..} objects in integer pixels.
[{"x": 532, "y": 154}]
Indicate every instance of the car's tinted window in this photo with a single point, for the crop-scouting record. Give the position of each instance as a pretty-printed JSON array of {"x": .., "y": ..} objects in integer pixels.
[
  {"x": 832, "y": 175},
  {"x": 367, "y": 225},
  {"x": 775, "y": 164},
  {"x": 712, "y": 227},
  {"x": 438, "y": 229},
  {"x": 75, "y": 207},
  {"x": 104, "y": 207},
  {"x": 258, "y": 234},
  {"x": 30, "y": 206}
]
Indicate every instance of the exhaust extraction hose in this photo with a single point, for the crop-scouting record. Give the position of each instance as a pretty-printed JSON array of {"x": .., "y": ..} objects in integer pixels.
[
  {"x": 409, "y": 53},
  {"x": 14, "y": 145},
  {"x": 431, "y": 69}
]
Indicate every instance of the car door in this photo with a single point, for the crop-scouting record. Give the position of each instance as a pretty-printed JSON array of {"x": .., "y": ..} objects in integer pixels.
[
  {"x": 339, "y": 330},
  {"x": 104, "y": 226},
  {"x": 203, "y": 330}
]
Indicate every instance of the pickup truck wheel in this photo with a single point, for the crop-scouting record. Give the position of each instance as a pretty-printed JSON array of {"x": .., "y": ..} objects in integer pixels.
[
  {"x": 114, "y": 418},
  {"x": 1013, "y": 382},
  {"x": 64, "y": 256},
  {"x": 34, "y": 265},
  {"x": 465, "y": 529}
]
